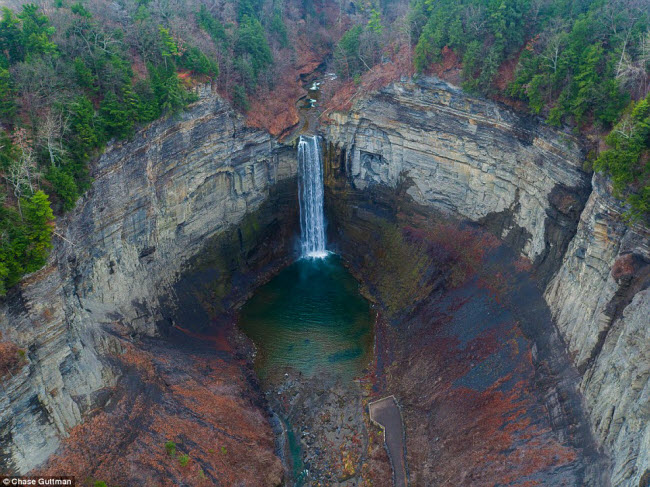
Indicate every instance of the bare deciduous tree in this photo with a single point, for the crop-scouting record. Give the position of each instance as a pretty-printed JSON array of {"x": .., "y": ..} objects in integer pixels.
[
  {"x": 22, "y": 173},
  {"x": 552, "y": 43},
  {"x": 50, "y": 130},
  {"x": 632, "y": 71}
]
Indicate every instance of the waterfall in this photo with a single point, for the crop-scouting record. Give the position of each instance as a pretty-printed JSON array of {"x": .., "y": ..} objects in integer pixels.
[{"x": 310, "y": 189}]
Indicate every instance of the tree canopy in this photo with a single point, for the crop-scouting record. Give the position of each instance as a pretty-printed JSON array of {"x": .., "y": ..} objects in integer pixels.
[
  {"x": 76, "y": 74},
  {"x": 577, "y": 63},
  {"x": 82, "y": 74}
]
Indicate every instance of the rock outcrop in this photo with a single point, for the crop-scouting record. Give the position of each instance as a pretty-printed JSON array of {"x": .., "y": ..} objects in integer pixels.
[
  {"x": 155, "y": 202},
  {"x": 600, "y": 300},
  {"x": 470, "y": 157},
  {"x": 136, "y": 245},
  {"x": 523, "y": 181}
]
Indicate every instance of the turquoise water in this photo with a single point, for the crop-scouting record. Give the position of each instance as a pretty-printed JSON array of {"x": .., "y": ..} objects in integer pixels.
[{"x": 310, "y": 317}]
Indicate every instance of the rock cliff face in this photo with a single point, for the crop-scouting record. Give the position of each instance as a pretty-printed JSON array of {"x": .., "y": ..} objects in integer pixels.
[
  {"x": 523, "y": 181},
  {"x": 155, "y": 202},
  {"x": 468, "y": 156},
  {"x": 601, "y": 303},
  {"x": 194, "y": 208},
  {"x": 466, "y": 343}
]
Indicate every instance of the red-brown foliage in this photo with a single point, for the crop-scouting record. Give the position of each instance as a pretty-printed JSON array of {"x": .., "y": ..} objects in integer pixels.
[
  {"x": 465, "y": 248},
  {"x": 449, "y": 68},
  {"x": 200, "y": 402},
  {"x": 371, "y": 81},
  {"x": 624, "y": 267},
  {"x": 275, "y": 110},
  {"x": 475, "y": 437},
  {"x": 523, "y": 264},
  {"x": 10, "y": 358}
]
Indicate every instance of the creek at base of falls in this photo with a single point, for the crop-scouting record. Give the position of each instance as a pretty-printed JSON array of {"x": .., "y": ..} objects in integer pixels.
[{"x": 313, "y": 335}]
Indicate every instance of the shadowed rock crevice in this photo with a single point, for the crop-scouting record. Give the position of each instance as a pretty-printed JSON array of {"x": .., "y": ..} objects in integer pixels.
[
  {"x": 632, "y": 274},
  {"x": 217, "y": 281}
]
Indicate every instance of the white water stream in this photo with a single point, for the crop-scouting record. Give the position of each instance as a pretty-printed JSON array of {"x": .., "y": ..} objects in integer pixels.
[{"x": 311, "y": 195}]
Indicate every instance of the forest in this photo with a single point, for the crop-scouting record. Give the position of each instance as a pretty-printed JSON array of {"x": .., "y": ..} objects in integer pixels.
[
  {"x": 583, "y": 65},
  {"x": 74, "y": 75}
]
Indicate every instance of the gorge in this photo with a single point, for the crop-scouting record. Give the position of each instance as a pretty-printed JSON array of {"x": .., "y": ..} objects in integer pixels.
[{"x": 509, "y": 298}]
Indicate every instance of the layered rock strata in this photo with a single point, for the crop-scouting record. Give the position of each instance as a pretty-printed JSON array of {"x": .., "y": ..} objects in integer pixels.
[
  {"x": 600, "y": 300},
  {"x": 523, "y": 181},
  {"x": 470, "y": 157},
  {"x": 155, "y": 202},
  {"x": 201, "y": 180}
]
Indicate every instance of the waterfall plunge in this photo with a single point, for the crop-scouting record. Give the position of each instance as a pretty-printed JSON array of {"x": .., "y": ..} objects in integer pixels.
[{"x": 310, "y": 189}]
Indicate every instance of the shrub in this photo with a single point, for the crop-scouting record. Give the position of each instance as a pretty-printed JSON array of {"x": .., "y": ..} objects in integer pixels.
[
  {"x": 170, "y": 446},
  {"x": 10, "y": 357}
]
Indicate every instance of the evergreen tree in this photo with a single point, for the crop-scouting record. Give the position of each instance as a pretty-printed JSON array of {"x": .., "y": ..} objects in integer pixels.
[
  {"x": 374, "y": 24},
  {"x": 39, "y": 220},
  {"x": 11, "y": 45},
  {"x": 116, "y": 118},
  {"x": 7, "y": 103},
  {"x": 252, "y": 42},
  {"x": 346, "y": 54},
  {"x": 626, "y": 158},
  {"x": 212, "y": 26}
]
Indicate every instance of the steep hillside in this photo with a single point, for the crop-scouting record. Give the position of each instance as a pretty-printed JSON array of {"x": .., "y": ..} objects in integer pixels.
[
  {"x": 470, "y": 158},
  {"x": 178, "y": 187}
]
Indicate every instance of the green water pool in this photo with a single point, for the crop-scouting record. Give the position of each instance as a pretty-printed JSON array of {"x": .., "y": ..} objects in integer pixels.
[{"x": 311, "y": 318}]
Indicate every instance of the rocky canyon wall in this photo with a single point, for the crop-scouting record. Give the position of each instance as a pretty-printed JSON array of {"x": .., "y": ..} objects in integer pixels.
[
  {"x": 470, "y": 157},
  {"x": 524, "y": 182},
  {"x": 600, "y": 300},
  {"x": 155, "y": 202},
  {"x": 136, "y": 245}
]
